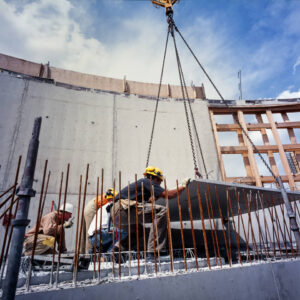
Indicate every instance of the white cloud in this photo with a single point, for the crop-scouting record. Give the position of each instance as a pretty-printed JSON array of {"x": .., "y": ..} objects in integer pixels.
[
  {"x": 296, "y": 65},
  {"x": 288, "y": 94}
]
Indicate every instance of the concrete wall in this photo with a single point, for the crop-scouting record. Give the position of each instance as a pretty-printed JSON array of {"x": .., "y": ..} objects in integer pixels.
[
  {"x": 106, "y": 130},
  {"x": 279, "y": 280}
]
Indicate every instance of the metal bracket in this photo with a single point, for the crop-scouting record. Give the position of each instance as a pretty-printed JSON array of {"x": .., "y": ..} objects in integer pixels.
[
  {"x": 20, "y": 222},
  {"x": 26, "y": 192}
]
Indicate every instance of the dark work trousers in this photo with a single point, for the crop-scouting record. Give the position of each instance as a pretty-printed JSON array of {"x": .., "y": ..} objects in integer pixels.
[{"x": 160, "y": 219}]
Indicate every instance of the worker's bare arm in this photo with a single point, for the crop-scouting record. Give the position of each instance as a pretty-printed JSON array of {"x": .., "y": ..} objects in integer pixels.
[{"x": 172, "y": 193}]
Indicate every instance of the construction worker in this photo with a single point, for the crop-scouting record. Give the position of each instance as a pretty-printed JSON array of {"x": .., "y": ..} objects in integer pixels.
[
  {"x": 153, "y": 178},
  {"x": 47, "y": 230},
  {"x": 104, "y": 221},
  {"x": 89, "y": 214}
]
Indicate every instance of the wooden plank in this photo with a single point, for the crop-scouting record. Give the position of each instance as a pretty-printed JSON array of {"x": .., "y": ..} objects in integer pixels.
[
  {"x": 264, "y": 179},
  {"x": 257, "y": 127},
  {"x": 281, "y": 150},
  {"x": 260, "y": 148},
  {"x": 251, "y": 157},
  {"x": 221, "y": 164}
]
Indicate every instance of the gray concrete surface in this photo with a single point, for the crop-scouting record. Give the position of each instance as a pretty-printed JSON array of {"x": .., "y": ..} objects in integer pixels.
[
  {"x": 278, "y": 280},
  {"x": 106, "y": 130}
]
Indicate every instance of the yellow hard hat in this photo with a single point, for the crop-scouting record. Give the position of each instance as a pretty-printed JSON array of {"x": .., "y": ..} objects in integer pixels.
[
  {"x": 110, "y": 193},
  {"x": 154, "y": 171}
]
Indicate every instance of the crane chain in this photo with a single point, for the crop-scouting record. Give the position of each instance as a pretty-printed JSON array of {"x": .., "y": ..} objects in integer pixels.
[
  {"x": 157, "y": 99},
  {"x": 182, "y": 84}
]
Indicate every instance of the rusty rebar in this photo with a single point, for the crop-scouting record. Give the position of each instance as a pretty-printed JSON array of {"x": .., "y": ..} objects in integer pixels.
[
  {"x": 100, "y": 233},
  {"x": 56, "y": 228},
  {"x": 286, "y": 229},
  {"x": 77, "y": 245},
  {"x": 223, "y": 226},
  {"x": 62, "y": 227},
  {"x": 10, "y": 209},
  {"x": 203, "y": 227},
  {"x": 181, "y": 226},
  {"x": 153, "y": 227},
  {"x": 274, "y": 230},
  {"x": 119, "y": 213},
  {"x": 192, "y": 225},
  {"x": 250, "y": 221},
  {"x": 211, "y": 228},
  {"x": 37, "y": 226},
  {"x": 280, "y": 229},
  {"x": 144, "y": 229},
  {"x": 137, "y": 225},
  {"x": 113, "y": 231},
  {"x": 214, "y": 225},
  {"x": 46, "y": 191},
  {"x": 237, "y": 195},
  {"x": 129, "y": 230},
  {"x": 237, "y": 238},
  {"x": 4, "y": 193},
  {"x": 95, "y": 233},
  {"x": 267, "y": 232},
  {"x": 261, "y": 237},
  {"x": 169, "y": 226}
]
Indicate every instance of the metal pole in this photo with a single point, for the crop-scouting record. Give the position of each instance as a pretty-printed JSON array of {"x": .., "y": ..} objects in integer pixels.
[
  {"x": 25, "y": 193},
  {"x": 290, "y": 213}
]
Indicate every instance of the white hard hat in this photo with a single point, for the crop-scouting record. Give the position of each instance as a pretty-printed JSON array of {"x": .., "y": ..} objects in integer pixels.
[{"x": 68, "y": 208}]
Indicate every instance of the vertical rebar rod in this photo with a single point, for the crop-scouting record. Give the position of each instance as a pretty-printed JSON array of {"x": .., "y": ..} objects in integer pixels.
[
  {"x": 261, "y": 237},
  {"x": 144, "y": 228},
  {"x": 214, "y": 227},
  {"x": 156, "y": 229},
  {"x": 223, "y": 226},
  {"x": 62, "y": 227},
  {"x": 192, "y": 225},
  {"x": 120, "y": 235},
  {"x": 46, "y": 190},
  {"x": 237, "y": 238},
  {"x": 169, "y": 227},
  {"x": 25, "y": 193},
  {"x": 77, "y": 244},
  {"x": 10, "y": 209},
  {"x": 181, "y": 226},
  {"x": 287, "y": 230},
  {"x": 56, "y": 228},
  {"x": 153, "y": 227},
  {"x": 113, "y": 230},
  {"x": 267, "y": 231},
  {"x": 250, "y": 222},
  {"x": 137, "y": 225},
  {"x": 37, "y": 226},
  {"x": 203, "y": 227},
  {"x": 211, "y": 228},
  {"x": 95, "y": 233},
  {"x": 100, "y": 233},
  {"x": 129, "y": 230},
  {"x": 273, "y": 227},
  {"x": 279, "y": 226},
  {"x": 237, "y": 195}
]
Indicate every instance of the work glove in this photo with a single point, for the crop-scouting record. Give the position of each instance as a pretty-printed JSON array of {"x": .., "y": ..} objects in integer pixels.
[
  {"x": 186, "y": 181},
  {"x": 68, "y": 224}
]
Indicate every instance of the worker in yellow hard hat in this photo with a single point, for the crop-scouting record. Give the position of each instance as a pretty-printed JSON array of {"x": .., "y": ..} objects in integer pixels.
[
  {"x": 140, "y": 190},
  {"x": 89, "y": 213}
]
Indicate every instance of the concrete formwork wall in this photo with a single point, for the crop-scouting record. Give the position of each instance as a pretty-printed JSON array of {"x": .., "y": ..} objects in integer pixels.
[{"x": 106, "y": 130}]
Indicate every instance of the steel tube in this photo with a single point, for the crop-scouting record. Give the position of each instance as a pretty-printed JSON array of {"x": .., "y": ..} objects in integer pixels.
[{"x": 20, "y": 223}]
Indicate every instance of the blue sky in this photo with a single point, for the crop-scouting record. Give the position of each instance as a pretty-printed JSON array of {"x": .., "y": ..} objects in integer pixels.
[{"x": 126, "y": 37}]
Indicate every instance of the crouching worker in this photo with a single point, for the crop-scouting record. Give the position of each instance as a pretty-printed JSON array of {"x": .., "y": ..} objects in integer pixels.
[
  {"x": 46, "y": 232},
  {"x": 104, "y": 241},
  {"x": 153, "y": 178}
]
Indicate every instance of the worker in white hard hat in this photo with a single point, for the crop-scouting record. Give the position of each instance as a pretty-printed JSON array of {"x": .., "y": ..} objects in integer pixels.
[
  {"x": 89, "y": 214},
  {"x": 140, "y": 190},
  {"x": 47, "y": 230}
]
